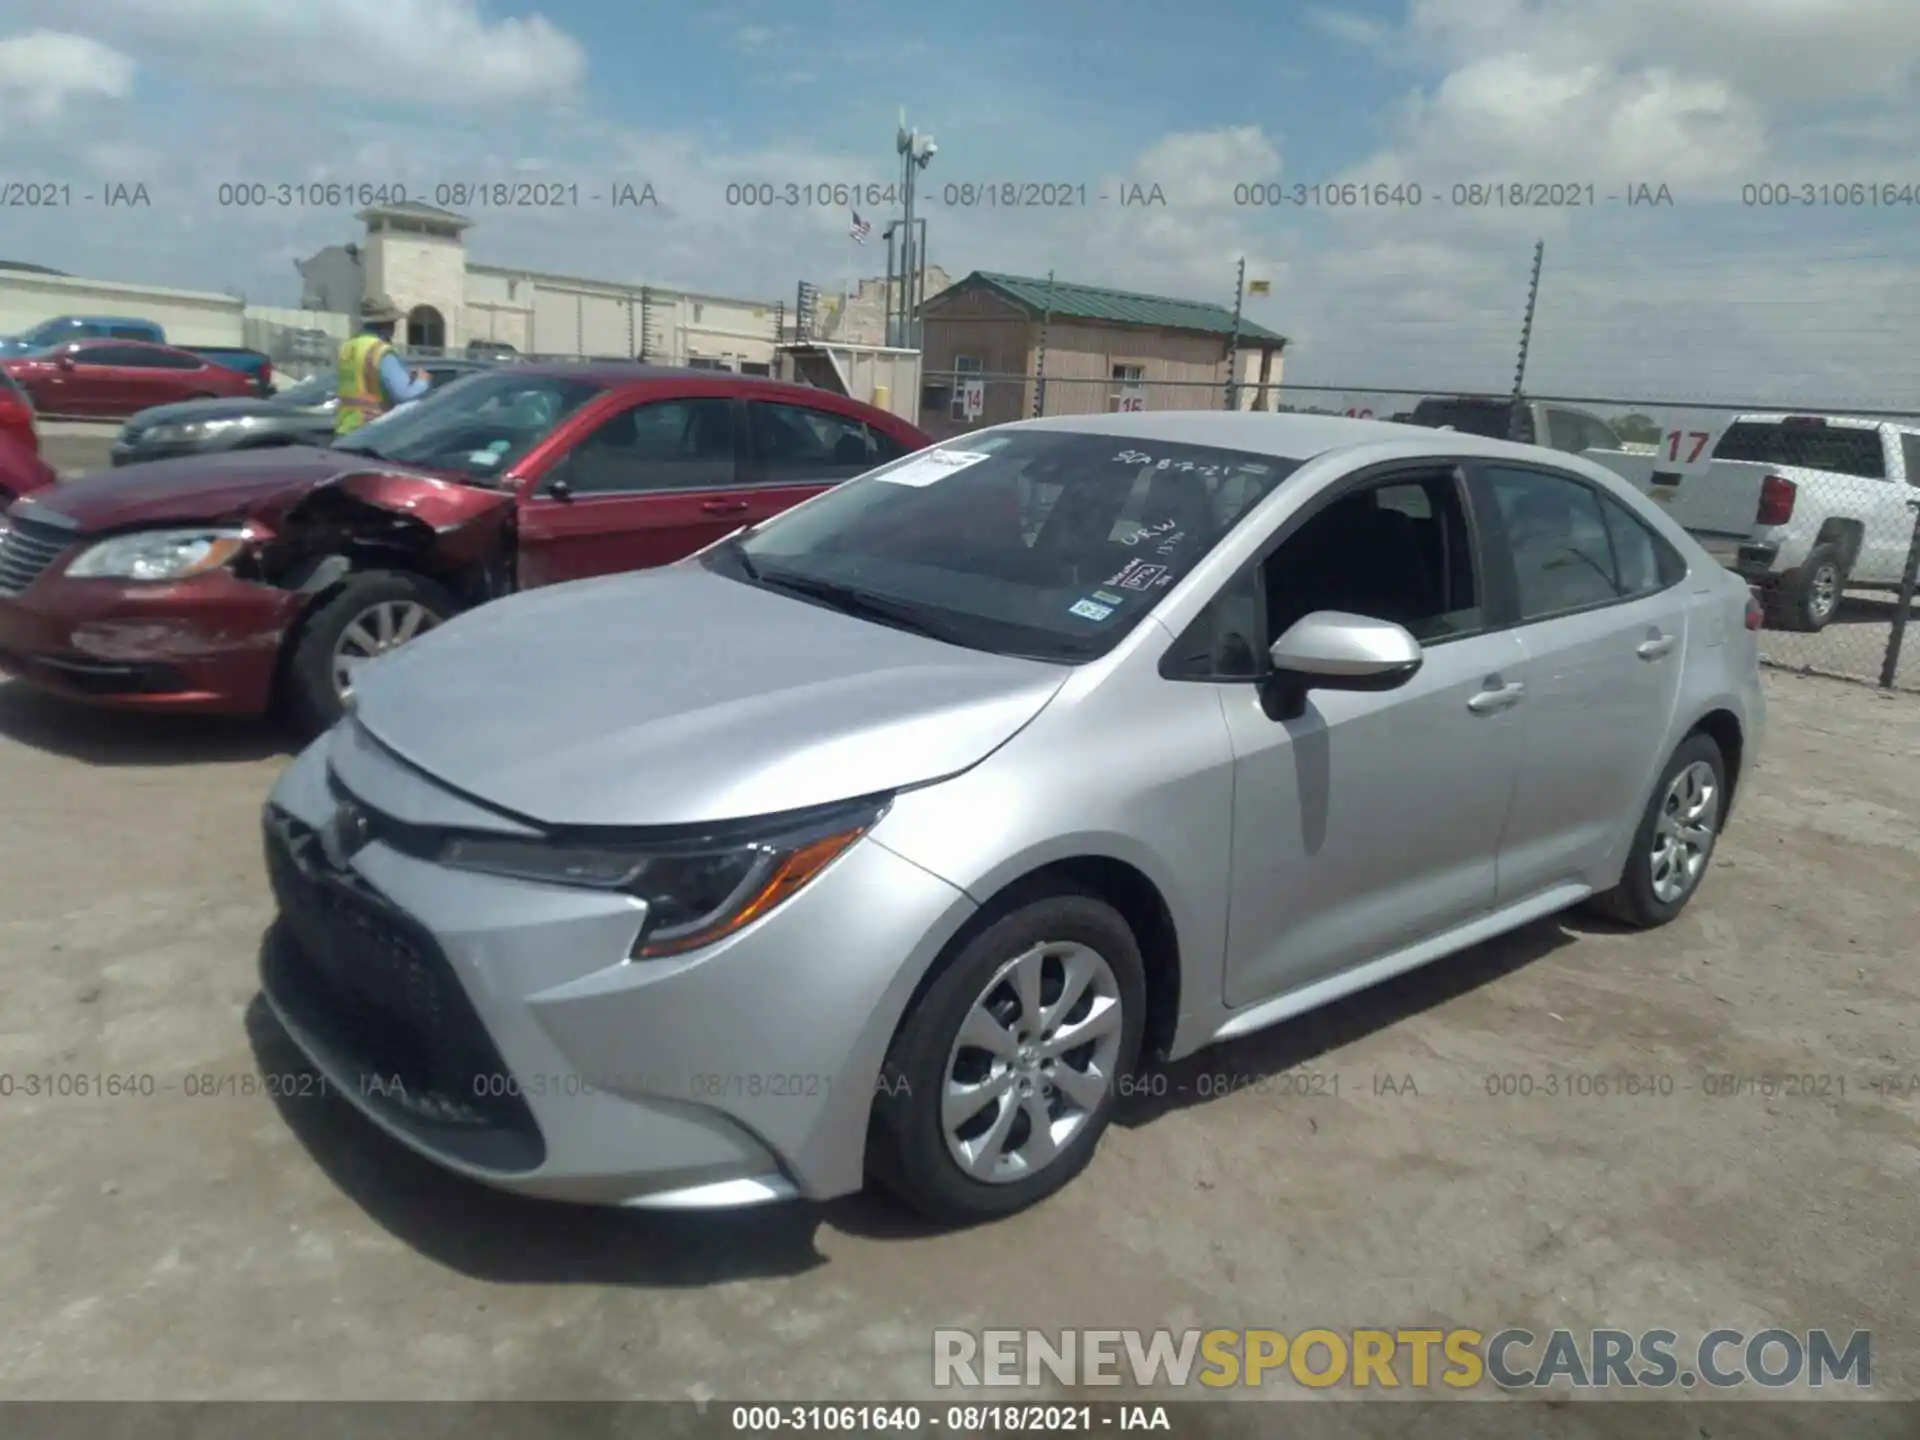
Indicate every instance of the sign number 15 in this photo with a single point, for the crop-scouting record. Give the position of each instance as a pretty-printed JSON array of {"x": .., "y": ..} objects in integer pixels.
[{"x": 1697, "y": 438}]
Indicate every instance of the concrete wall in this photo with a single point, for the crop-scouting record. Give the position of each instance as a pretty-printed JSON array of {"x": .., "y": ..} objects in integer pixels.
[
  {"x": 412, "y": 269},
  {"x": 190, "y": 317}
]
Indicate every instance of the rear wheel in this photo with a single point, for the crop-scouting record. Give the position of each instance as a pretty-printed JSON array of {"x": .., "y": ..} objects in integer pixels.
[
  {"x": 1674, "y": 841},
  {"x": 369, "y": 616},
  {"x": 1810, "y": 597},
  {"x": 1003, "y": 1077}
]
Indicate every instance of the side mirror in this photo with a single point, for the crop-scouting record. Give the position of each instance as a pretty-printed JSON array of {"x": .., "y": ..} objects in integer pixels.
[
  {"x": 64, "y": 361},
  {"x": 558, "y": 488},
  {"x": 1332, "y": 650}
]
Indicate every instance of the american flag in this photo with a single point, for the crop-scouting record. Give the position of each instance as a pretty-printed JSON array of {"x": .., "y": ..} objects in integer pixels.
[{"x": 858, "y": 230}]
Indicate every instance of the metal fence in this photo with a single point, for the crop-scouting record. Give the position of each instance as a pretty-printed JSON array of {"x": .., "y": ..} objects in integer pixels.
[{"x": 1818, "y": 508}]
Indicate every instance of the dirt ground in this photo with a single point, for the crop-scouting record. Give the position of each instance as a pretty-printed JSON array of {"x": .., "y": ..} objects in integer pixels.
[{"x": 197, "y": 1247}]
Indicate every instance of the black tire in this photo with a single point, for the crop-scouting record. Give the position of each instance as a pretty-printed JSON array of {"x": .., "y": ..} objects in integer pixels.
[
  {"x": 1810, "y": 597},
  {"x": 312, "y": 701},
  {"x": 1634, "y": 902},
  {"x": 907, "y": 1150}
]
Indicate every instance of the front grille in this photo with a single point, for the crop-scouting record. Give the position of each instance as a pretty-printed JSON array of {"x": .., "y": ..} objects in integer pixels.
[
  {"x": 28, "y": 549},
  {"x": 372, "y": 988}
]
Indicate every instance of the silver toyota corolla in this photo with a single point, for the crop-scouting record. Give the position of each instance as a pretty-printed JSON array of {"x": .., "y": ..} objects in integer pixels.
[{"x": 882, "y": 839}]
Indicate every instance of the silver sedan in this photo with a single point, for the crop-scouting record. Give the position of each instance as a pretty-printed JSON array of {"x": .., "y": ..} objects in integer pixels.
[{"x": 885, "y": 839}]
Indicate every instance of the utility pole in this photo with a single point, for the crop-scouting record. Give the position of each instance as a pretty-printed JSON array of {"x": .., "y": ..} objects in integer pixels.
[
  {"x": 1233, "y": 341},
  {"x": 1040, "y": 355},
  {"x": 916, "y": 152},
  {"x": 1514, "y": 429}
]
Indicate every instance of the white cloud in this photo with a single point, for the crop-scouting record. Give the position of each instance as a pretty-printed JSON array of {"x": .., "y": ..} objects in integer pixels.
[
  {"x": 43, "y": 69},
  {"x": 400, "y": 51}
]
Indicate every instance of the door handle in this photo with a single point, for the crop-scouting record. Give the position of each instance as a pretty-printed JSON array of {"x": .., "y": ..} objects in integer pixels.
[
  {"x": 1654, "y": 646},
  {"x": 1497, "y": 698},
  {"x": 723, "y": 507}
]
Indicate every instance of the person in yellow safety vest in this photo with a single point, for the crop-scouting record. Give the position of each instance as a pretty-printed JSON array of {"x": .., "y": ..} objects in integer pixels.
[{"x": 372, "y": 375}]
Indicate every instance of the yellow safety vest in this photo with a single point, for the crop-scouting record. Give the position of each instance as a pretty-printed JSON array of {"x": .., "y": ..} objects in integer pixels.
[{"x": 361, "y": 396}]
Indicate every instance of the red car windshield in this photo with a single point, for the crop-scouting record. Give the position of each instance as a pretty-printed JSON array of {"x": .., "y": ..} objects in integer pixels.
[{"x": 476, "y": 427}]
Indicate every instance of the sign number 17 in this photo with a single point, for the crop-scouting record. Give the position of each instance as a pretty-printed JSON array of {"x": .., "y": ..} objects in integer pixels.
[{"x": 1674, "y": 439}]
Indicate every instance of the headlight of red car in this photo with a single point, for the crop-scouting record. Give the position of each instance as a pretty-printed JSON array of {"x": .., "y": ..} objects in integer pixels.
[{"x": 161, "y": 555}]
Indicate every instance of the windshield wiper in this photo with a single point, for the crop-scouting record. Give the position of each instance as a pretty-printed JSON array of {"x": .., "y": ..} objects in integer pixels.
[{"x": 864, "y": 604}]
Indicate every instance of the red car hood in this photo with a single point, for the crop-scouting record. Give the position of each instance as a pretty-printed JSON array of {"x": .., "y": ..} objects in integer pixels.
[{"x": 259, "y": 484}]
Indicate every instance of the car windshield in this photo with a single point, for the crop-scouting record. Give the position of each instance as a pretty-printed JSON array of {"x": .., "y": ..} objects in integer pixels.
[
  {"x": 479, "y": 425},
  {"x": 1837, "y": 449},
  {"x": 47, "y": 333},
  {"x": 1051, "y": 544},
  {"x": 315, "y": 390}
]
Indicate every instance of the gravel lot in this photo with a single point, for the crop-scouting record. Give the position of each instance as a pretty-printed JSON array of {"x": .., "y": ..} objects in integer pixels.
[{"x": 239, "y": 1246}]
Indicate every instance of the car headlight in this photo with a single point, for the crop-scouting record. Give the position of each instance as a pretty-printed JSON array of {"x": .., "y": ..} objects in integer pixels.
[
  {"x": 695, "y": 894},
  {"x": 160, "y": 554},
  {"x": 200, "y": 429}
]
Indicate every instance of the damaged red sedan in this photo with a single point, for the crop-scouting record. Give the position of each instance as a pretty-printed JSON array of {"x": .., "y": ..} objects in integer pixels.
[{"x": 233, "y": 583}]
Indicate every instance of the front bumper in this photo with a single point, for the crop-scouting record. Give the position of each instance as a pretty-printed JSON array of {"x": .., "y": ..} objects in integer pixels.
[
  {"x": 210, "y": 644},
  {"x": 497, "y": 1027}
]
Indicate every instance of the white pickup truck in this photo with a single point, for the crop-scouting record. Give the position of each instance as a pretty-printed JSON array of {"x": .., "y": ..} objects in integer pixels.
[{"x": 1803, "y": 506}]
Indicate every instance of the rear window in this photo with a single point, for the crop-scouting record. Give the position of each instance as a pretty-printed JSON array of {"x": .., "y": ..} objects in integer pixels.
[
  {"x": 1837, "y": 449},
  {"x": 1488, "y": 418}
]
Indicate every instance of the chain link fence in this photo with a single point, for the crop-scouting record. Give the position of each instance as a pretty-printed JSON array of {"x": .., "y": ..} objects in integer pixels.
[{"x": 1818, "y": 510}]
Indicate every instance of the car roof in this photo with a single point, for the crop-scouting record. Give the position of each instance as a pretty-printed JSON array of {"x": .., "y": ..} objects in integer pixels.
[
  {"x": 1284, "y": 437},
  {"x": 635, "y": 372}
]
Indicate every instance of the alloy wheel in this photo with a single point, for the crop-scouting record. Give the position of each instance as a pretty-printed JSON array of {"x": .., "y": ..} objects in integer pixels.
[
  {"x": 376, "y": 630},
  {"x": 1033, "y": 1062},
  {"x": 1823, "y": 592},
  {"x": 1683, "y": 834}
]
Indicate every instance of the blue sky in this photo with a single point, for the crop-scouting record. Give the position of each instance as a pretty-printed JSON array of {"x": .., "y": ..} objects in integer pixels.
[{"x": 1708, "y": 297}]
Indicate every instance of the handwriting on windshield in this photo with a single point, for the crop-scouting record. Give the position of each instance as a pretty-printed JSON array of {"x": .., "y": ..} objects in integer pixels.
[{"x": 1183, "y": 467}]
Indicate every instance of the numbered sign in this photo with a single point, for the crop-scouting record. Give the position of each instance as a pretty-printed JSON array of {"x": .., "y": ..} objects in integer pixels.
[
  {"x": 973, "y": 398},
  {"x": 1132, "y": 400},
  {"x": 1687, "y": 445},
  {"x": 1358, "y": 412}
]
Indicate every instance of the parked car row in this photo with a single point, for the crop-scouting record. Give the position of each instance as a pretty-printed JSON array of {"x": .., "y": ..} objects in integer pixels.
[
  {"x": 889, "y": 806},
  {"x": 300, "y": 414},
  {"x": 232, "y": 580},
  {"x": 65, "y": 330}
]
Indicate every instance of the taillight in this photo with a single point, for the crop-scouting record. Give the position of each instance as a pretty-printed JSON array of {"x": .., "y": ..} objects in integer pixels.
[
  {"x": 1756, "y": 612},
  {"x": 1776, "y": 501}
]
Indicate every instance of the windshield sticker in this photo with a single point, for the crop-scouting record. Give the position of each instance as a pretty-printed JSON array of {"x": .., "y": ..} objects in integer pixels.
[
  {"x": 484, "y": 457},
  {"x": 1107, "y": 597},
  {"x": 1089, "y": 610},
  {"x": 932, "y": 466},
  {"x": 1138, "y": 575}
]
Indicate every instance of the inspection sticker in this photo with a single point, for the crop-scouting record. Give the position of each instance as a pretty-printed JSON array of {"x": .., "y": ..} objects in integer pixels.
[
  {"x": 932, "y": 466},
  {"x": 1088, "y": 610},
  {"x": 1107, "y": 597}
]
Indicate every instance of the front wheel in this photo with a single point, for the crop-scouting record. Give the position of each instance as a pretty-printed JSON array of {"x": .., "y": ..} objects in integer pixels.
[
  {"x": 369, "y": 616},
  {"x": 1003, "y": 1076},
  {"x": 1674, "y": 841}
]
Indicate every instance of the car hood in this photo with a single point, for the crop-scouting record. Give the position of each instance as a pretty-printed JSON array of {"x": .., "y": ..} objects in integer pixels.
[
  {"x": 189, "y": 411},
  {"x": 214, "y": 488},
  {"x": 677, "y": 696}
]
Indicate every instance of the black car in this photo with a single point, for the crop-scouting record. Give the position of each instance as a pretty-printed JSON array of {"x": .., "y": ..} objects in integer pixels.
[{"x": 302, "y": 414}]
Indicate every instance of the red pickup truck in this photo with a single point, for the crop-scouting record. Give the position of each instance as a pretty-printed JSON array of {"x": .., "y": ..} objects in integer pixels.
[{"x": 227, "y": 582}]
